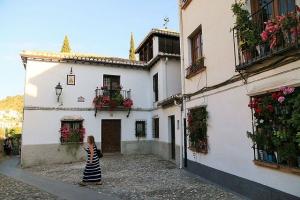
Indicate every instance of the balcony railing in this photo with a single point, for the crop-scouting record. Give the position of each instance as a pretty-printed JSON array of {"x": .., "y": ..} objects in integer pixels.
[
  {"x": 112, "y": 99},
  {"x": 268, "y": 36},
  {"x": 113, "y": 93}
]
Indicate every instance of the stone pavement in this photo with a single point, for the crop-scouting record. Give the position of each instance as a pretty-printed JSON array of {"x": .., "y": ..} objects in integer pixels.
[
  {"x": 11, "y": 189},
  {"x": 40, "y": 186},
  {"x": 140, "y": 177}
]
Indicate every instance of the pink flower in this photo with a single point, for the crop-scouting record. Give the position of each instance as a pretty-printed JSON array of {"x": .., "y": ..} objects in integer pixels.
[
  {"x": 264, "y": 36},
  {"x": 287, "y": 90},
  {"x": 290, "y": 90},
  {"x": 281, "y": 99}
]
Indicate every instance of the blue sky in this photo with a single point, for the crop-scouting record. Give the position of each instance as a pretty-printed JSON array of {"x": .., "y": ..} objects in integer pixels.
[{"x": 93, "y": 26}]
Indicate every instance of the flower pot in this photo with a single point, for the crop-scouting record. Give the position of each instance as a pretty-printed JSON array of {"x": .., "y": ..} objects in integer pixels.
[
  {"x": 260, "y": 49},
  {"x": 247, "y": 55},
  {"x": 276, "y": 156},
  {"x": 287, "y": 37}
]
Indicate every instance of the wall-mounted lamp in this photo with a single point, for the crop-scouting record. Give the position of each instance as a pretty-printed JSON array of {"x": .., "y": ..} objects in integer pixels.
[{"x": 58, "y": 91}]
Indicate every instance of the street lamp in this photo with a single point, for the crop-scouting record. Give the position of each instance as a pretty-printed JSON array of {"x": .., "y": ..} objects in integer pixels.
[{"x": 58, "y": 91}]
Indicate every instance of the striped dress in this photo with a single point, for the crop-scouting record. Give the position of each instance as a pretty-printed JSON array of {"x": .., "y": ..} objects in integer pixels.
[{"x": 92, "y": 171}]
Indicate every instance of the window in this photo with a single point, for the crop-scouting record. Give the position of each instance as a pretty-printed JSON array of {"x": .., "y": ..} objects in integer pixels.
[
  {"x": 72, "y": 131},
  {"x": 286, "y": 6},
  {"x": 146, "y": 52},
  {"x": 276, "y": 128},
  {"x": 155, "y": 87},
  {"x": 169, "y": 45},
  {"x": 197, "y": 127},
  {"x": 155, "y": 124},
  {"x": 196, "y": 45},
  {"x": 272, "y": 8},
  {"x": 111, "y": 82},
  {"x": 140, "y": 129}
]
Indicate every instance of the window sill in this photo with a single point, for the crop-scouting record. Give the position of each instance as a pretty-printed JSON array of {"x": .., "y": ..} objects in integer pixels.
[
  {"x": 194, "y": 149},
  {"x": 194, "y": 72},
  {"x": 278, "y": 167}
]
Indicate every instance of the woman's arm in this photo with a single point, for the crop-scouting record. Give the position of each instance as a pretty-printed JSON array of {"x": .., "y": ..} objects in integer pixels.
[{"x": 92, "y": 153}]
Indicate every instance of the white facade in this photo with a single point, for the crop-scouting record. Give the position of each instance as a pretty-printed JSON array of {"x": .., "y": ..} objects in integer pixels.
[
  {"x": 43, "y": 113},
  {"x": 229, "y": 115}
]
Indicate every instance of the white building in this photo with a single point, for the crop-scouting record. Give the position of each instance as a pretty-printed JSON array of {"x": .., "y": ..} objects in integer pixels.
[
  {"x": 149, "y": 126},
  {"x": 223, "y": 83}
]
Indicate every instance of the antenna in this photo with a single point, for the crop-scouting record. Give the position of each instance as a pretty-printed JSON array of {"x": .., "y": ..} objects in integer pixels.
[{"x": 166, "y": 21}]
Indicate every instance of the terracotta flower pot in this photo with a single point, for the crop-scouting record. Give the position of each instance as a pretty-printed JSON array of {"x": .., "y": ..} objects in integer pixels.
[{"x": 247, "y": 55}]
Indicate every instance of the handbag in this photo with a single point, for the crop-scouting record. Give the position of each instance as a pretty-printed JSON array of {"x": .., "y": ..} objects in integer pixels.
[{"x": 99, "y": 152}]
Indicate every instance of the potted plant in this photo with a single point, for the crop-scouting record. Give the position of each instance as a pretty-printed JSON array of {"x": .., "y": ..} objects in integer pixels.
[
  {"x": 248, "y": 36},
  {"x": 289, "y": 27}
]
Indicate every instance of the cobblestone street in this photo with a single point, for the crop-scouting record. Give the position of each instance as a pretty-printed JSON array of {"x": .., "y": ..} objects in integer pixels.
[
  {"x": 11, "y": 189},
  {"x": 139, "y": 177}
]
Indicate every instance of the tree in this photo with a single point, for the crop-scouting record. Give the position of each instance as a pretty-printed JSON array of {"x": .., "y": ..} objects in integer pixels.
[
  {"x": 66, "y": 46},
  {"x": 132, "y": 49},
  {"x": 12, "y": 103},
  {"x": 2, "y": 133}
]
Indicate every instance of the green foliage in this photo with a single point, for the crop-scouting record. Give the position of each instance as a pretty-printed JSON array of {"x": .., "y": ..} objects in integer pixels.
[
  {"x": 132, "y": 49},
  {"x": 13, "y": 132},
  {"x": 118, "y": 98},
  {"x": 247, "y": 30},
  {"x": 277, "y": 118},
  {"x": 66, "y": 46},
  {"x": 74, "y": 136},
  {"x": 289, "y": 21},
  {"x": 197, "y": 125},
  {"x": 12, "y": 103}
]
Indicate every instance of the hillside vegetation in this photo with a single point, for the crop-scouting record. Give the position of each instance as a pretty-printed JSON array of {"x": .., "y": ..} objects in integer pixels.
[{"x": 12, "y": 103}]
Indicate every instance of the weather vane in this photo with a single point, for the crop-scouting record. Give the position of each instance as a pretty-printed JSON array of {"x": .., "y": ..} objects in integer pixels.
[{"x": 166, "y": 21}]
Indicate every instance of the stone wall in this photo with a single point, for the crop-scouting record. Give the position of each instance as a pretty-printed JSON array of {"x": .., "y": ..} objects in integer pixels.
[{"x": 52, "y": 153}]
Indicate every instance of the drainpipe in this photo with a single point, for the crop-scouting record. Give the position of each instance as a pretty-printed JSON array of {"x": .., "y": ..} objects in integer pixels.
[
  {"x": 166, "y": 80},
  {"x": 183, "y": 106}
]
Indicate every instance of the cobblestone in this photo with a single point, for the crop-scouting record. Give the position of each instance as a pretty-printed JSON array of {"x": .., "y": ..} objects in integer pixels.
[
  {"x": 11, "y": 189},
  {"x": 140, "y": 177}
]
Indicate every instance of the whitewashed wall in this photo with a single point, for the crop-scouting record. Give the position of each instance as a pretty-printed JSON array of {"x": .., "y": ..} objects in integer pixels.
[
  {"x": 42, "y": 127},
  {"x": 229, "y": 116},
  {"x": 164, "y": 125},
  {"x": 216, "y": 19},
  {"x": 168, "y": 78},
  {"x": 42, "y": 77}
]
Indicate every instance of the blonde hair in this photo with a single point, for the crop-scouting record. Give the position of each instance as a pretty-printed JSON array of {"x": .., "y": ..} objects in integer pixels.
[{"x": 91, "y": 139}]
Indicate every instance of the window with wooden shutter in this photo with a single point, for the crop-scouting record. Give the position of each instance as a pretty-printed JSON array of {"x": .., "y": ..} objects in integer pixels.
[
  {"x": 197, "y": 43},
  {"x": 155, "y": 87},
  {"x": 155, "y": 125},
  {"x": 111, "y": 82}
]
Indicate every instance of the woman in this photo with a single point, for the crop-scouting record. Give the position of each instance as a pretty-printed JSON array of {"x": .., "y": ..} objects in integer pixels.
[{"x": 92, "y": 171}]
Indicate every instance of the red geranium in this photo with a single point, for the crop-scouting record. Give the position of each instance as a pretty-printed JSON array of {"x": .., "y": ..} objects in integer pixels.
[
  {"x": 65, "y": 132},
  {"x": 270, "y": 108},
  {"x": 127, "y": 103},
  {"x": 105, "y": 99},
  {"x": 258, "y": 110},
  {"x": 253, "y": 103}
]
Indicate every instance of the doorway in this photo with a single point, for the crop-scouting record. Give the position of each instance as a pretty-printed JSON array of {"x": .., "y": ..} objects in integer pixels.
[
  {"x": 172, "y": 132},
  {"x": 111, "y": 136}
]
